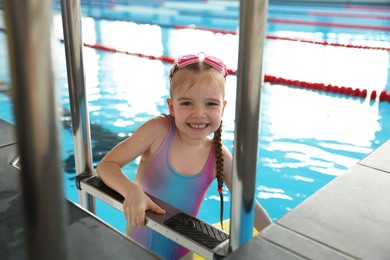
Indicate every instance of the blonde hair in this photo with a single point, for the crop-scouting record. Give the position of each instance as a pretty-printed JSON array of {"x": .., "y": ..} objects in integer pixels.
[{"x": 181, "y": 77}]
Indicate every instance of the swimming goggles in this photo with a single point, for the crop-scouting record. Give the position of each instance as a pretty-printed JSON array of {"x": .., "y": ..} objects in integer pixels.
[{"x": 186, "y": 60}]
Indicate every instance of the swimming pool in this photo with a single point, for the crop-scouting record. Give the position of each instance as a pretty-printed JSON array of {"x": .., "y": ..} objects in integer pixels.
[{"x": 306, "y": 137}]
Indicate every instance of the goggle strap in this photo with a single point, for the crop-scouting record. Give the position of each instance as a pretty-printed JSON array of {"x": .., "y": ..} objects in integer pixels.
[
  {"x": 216, "y": 65},
  {"x": 184, "y": 61},
  {"x": 187, "y": 61}
]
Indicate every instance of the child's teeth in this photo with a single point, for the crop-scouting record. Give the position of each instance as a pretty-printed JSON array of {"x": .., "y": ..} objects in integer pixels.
[{"x": 198, "y": 126}]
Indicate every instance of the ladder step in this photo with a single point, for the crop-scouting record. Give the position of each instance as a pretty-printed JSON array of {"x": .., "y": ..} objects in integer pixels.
[
  {"x": 188, "y": 231},
  {"x": 198, "y": 230}
]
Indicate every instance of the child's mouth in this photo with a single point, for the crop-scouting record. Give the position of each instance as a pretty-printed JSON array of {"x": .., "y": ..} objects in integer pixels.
[{"x": 198, "y": 126}]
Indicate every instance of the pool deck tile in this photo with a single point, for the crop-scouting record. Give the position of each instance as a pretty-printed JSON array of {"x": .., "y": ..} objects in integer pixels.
[
  {"x": 260, "y": 248},
  {"x": 379, "y": 159},
  {"x": 300, "y": 244}
]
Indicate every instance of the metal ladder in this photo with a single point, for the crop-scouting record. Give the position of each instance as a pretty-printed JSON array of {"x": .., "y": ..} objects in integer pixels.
[
  {"x": 33, "y": 84},
  {"x": 188, "y": 231}
]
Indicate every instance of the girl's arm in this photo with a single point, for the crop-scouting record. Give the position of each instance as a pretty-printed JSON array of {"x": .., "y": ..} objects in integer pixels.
[
  {"x": 262, "y": 219},
  {"x": 143, "y": 142}
]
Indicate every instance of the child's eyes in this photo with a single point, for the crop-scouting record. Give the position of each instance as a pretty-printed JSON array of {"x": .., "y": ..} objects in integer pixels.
[
  {"x": 210, "y": 104},
  {"x": 185, "y": 103},
  {"x": 207, "y": 104}
]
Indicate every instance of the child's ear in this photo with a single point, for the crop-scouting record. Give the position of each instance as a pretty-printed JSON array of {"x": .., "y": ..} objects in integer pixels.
[
  {"x": 170, "y": 106},
  {"x": 224, "y": 105}
]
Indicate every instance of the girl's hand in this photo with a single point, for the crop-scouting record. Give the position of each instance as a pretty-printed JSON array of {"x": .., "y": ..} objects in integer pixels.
[{"x": 135, "y": 205}]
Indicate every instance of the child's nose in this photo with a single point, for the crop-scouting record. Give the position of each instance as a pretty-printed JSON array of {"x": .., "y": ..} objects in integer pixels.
[{"x": 198, "y": 111}]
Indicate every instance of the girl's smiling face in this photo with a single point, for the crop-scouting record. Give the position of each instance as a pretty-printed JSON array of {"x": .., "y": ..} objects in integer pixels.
[{"x": 197, "y": 102}]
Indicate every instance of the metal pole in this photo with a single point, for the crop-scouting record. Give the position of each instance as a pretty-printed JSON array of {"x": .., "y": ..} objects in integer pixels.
[
  {"x": 28, "y": 24},
  {"x": 253, "y": 15},
  {"x": 71, "y": 21}
]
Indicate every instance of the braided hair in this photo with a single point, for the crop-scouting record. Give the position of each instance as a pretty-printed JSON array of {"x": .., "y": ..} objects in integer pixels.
[{"x": 217, "y": 140}]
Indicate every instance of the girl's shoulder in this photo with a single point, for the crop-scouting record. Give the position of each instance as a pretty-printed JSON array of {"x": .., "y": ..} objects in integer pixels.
[
  {"x": 159, "y": 122},
  {"x": 152, "y": 134},
  {"x": 156, "y": 126},
  {"x": 227, "y": 154}
]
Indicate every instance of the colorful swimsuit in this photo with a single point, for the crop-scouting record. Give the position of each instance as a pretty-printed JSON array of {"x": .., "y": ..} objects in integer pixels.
[{"x": 158, "y": 178}]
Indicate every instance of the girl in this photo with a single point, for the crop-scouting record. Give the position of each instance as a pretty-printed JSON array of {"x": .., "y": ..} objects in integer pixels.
[{"x": 178, "y": 159}]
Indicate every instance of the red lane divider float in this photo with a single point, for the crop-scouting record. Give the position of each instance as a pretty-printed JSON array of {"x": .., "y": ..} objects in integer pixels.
[
  {"x": 151, "y": 57},
  {"x": 329, "y": 43},
  {"x": 348, "y": 91},
  {"x": 302, "y": 22},
  {"x": 330, "y": 24},
  {"x": 348, "y": 15},
  {"x": 367, "y": 8},
  {"x": 271, "y": 37}
]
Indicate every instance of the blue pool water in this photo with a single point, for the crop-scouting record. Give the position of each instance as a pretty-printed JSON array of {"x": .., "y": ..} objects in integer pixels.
[{"x": 306, "y": 138}]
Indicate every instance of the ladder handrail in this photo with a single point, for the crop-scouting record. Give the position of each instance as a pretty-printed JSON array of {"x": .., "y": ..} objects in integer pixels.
[
  {"x": 37, "y": 119},
  {"x": 253, "y": 17},
  {"x": 71, "y": 22}
]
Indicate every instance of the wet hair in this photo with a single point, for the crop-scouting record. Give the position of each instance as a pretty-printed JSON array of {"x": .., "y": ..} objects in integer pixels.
[{"x": 217, "y": 139}]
